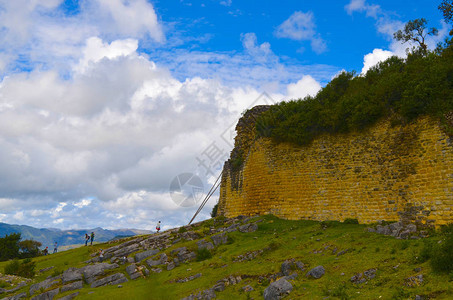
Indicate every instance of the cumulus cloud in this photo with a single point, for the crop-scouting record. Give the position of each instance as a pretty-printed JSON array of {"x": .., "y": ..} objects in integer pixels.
[
  {"x": 307, "y": 86},
  {"x": 301, "y": 26},
  {"x": 38, "y": 33},
  {"x": 371, "y": 59},
  {"x": 130, "y": 18},
  {"x": 111, "y": 138}
]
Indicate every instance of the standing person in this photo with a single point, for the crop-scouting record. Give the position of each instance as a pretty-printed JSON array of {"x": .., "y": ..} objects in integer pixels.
[
  {"x": 55, "y": 248},
  {"x": 46, "y": 251},
  {"x": 87, "y": 238},
  {"x": 158, "y": 227},
  {"x": 101, "y": 255},
  {"x": 92, "y": 237}
]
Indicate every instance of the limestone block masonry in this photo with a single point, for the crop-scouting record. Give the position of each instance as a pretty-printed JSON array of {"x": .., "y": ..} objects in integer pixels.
[{"x": 383, "y": 173}]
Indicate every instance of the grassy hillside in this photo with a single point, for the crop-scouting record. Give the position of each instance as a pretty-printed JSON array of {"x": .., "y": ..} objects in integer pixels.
[{"x": 342, "y": 249}]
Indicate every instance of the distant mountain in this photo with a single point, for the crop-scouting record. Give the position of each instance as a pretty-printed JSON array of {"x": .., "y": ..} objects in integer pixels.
[{"x": 48, "y": 236}]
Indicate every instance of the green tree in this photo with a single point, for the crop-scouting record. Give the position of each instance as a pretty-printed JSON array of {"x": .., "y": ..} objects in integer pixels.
[
  {"x": 447, "y": 10},
  {"x": 446, "y": 7},
  {"x": 9, "y": 246},
  {"x": 416, "y": 31},
  {"x": 29, "y": 248}
]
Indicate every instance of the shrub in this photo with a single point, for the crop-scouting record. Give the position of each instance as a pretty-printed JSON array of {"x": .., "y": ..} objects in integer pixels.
[
  {"x": 396, "y": 88},
  {"x": 203, "y": 254},
  {"x": 12, "y": 267},
  {"x": 27, "y": 268},
  {"x": 426, "y": 252},
  {"x": 351, "y": 221},
  {"x": 182, "y": 229},
  {"x": 274, "y": 245},
  {"x": 442, "y": 256},
  {"x": 214, "y": 211},
  {"x": 24, "y": 269}
]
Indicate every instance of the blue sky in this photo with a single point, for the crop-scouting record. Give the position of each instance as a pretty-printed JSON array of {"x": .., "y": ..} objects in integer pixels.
[{"x": 105, "y": 103}]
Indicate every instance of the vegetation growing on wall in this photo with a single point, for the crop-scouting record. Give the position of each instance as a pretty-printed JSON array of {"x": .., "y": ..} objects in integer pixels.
[{"x": 401, "y": 89}]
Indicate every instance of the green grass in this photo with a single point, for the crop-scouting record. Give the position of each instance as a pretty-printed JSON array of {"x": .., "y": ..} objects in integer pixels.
[{"x": 310, "y": 242}]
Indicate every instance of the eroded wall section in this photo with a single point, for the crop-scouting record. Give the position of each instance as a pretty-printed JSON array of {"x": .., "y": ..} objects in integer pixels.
[{"x": 381, "y": 174}]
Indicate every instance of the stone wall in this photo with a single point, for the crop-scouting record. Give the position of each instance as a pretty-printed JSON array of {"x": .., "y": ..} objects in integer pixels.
[{"x": 383, "y": 173}]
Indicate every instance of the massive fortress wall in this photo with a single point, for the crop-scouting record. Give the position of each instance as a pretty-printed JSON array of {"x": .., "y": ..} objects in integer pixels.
[{"x": 383, "y": 173}]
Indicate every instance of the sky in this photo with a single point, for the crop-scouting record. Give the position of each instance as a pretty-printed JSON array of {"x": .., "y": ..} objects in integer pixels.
[{"x": 121, "y": 113}]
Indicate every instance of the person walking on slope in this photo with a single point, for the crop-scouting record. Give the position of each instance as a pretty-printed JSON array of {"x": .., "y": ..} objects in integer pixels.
[
  {"x": 158, "y": 227},
  {"x": 92, "y": 237},
  {"x": 87, "y": 238},
  {"x": 46, "y": 251},
  {"x": 55, "y": 248}
]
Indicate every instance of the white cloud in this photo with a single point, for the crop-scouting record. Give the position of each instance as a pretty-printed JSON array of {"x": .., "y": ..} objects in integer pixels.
[
  {"x": 301, "y": 26},
  {"x": 361, "y": 6},
  {"x": 95, "y": 50},
  {"x": 371, "y": 59},
  {"x": 260, "y": 52},
  {"x": 304, "y": 87},
  {"x": 132, "y": 18},
  {"x": 37, "y": 33},
  {"x": 82, "y": 203},
  {"x": 226, "y": 2}
]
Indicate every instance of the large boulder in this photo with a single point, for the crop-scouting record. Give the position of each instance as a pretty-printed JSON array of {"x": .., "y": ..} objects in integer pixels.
[{"x": 277, "y": 289}]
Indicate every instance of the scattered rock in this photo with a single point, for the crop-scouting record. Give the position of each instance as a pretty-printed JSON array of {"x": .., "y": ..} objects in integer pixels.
[
  {"x": 69, "y": 297},
  {"x": 142, "y": 255},
  {"x": 202, "y": 244},
  {"x": 72, "y": 286},
  {"x": 414, "y": 281},
  {"x": 248, "y": 256},
  {"x": 189, "y": 278},
  {"x": 46, "y": 269},
  {"x": 342, "y": 252},
  {"x": 247, "y": 288},
  {"x": 71, "y": 274},
  {"x": 155, "y": 262},
  {"x": 290, "y": 265},
  {"x": 251, "y": 227},
  {"x": 91, "y": 272},
  {"x": 15, "y": 297},
  {"x": 316, "y": 272},
  {"x": 219, "y": 239},
  {"x": 110, "y": 280},
  {"x": 47, "y": 295},
  {"x": 46, "y": 284},
  {"x": 277, "y": 289},
  {"x": 170, "y": 266}
]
